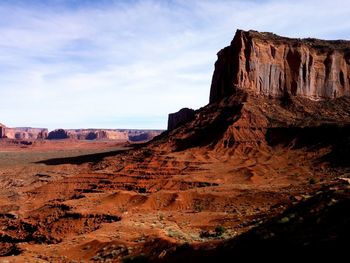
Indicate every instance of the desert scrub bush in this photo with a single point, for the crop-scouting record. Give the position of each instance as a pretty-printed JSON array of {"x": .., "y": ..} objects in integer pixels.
[
  {"x": 312, "y": 181},
  {"x": 205, "y": 234},
  {"x": 198, "y": 207},
  {"x": 174, "y": 234},
  {"x": 220, "y": 230},
  {"x": 284, "y": 220}
]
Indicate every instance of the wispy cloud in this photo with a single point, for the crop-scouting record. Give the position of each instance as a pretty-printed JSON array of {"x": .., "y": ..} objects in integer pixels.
[{"x": 130, "y": 63}]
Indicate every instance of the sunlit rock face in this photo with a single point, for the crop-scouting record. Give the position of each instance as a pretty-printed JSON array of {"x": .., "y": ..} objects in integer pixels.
[
  {"x": 23, "y": 133},
  {"x": 277, "y": 66}
]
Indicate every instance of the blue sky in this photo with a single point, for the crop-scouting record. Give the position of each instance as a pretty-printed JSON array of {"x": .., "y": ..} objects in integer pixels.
[{"x": 127, "y": 64}]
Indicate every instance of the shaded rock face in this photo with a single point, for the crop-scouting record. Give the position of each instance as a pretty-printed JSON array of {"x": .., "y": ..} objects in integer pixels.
[
  {"x": 58, "y": 134},
  {"x": 277, "y": 66},
  {"x": 2, "y": 129},
  {"x": 91, "y": 136},
  {"x": 180, "y": 117},
  {"x": 144, "y": 136}
]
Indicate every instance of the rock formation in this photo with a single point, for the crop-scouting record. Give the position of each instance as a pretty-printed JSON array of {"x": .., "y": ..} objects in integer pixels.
[
  {"x": 97, "y": 134},
  {"x": 268, "y": 89},
  {"x": 143, "y": 136},
  {"x": 278, "y": 66},
  {"x": 27, "y": 133},
  {"x": 182, "y": 116},
  {"x": 58, "y": 134},
  {"x": 271, "y": 96}
]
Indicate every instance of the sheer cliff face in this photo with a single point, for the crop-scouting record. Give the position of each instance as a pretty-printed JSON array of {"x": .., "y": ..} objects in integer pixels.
[{"x": 275, "y": 66}]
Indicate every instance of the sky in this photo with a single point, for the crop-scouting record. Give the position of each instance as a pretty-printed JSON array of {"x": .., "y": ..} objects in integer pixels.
[{"x": 127, "y": 64}]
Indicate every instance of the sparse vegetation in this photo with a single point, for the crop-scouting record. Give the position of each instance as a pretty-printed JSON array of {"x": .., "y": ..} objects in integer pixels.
[
  {"x": 174, "y": 234},
  {"x": 218, "y": 232},
  {"x": 284, "y": 220},
  {"x": 198, "y": 207},
  {"x": 312, "y": 181}
]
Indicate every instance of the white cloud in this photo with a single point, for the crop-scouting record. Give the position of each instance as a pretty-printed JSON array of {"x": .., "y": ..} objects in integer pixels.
[{"x": 128, "y": 64}]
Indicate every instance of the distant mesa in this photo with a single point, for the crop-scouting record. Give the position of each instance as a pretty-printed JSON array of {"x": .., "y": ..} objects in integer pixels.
[
  {"x": 23, "y": 133},
  {"x": 103, "y": 134},
  {"x": 26, "y": 133}
]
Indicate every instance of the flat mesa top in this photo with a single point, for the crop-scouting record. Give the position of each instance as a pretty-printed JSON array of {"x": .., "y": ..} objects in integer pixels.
[{"x": 343, "y": 45}]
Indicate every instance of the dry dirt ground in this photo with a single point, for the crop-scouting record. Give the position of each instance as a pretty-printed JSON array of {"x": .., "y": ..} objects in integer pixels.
[{"x": 68, "y": 201}]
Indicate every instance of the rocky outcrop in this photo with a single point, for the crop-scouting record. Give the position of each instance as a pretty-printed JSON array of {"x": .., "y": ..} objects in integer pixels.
[
  {"x": 277, "y": 66},
  {"x": 143, "y": 136},
  {"x": 182, "y": 116}
]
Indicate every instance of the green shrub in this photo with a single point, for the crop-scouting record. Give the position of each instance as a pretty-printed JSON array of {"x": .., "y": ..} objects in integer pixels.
[
  {"x": 219, "y": 230},
  {"x": 312, "y": 181}
]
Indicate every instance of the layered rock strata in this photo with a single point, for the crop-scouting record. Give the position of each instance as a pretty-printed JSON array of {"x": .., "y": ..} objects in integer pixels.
[
  {"x": 103, "y": 134},
  {"x": 268, "y": 90},
  {"x": 278, "y": 66},
  {"x": 23, "y": 133}
]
